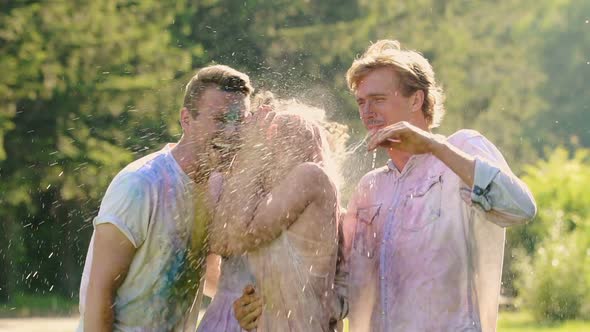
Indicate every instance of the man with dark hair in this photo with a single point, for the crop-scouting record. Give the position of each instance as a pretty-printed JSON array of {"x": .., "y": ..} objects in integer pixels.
[{"x": 145, "y": 258}]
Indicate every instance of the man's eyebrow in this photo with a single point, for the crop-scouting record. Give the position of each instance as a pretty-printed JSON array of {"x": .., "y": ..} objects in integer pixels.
[{"x": 377, "y": 94}]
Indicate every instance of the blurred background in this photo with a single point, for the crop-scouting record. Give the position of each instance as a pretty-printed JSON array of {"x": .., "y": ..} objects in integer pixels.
[{"x": 88, "y": 86}]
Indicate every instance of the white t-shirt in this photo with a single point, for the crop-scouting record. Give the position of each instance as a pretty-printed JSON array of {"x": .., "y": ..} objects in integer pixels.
[{"x": 154, "y": 204}]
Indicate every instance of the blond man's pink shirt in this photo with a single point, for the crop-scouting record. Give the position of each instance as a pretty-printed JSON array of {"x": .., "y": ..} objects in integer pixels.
[{"x": 423, "y": 251}]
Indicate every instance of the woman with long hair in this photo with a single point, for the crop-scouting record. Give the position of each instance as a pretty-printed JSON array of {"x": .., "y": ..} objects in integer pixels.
[{"x": 276, "y": 225}]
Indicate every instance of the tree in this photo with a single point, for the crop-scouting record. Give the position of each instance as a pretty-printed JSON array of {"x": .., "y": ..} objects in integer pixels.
[
  {"x": 552, "y": 257},
  {"x": 88, "y": 87}
]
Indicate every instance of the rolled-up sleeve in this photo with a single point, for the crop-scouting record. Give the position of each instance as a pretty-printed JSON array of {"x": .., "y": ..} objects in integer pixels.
[{"x": 496, "y": 190}]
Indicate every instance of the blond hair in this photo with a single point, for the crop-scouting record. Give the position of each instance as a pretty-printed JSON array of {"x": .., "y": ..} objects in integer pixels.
[
  {"x": 307, "y": 135},
  {"x": 221, "y": 76},
  {"x": 414, "y": 71}
]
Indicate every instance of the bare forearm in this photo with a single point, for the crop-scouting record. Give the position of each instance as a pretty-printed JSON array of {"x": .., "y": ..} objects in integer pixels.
[
  {"x": 226, "y": 238},
  {"x": 112, "y": 255},
  {"x": 99, "y": 314},
  {"x": 306, "y": 184},
  {"x": 231, "y": 243},
  {"x": 458, "y": 161}
]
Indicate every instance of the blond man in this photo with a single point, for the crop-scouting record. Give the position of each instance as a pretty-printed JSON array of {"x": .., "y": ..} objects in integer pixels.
[{"x": 424, "y": 235}]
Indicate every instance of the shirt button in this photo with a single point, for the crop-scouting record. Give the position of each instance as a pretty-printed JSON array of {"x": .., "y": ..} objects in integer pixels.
[{"x": 478, "y": 191}]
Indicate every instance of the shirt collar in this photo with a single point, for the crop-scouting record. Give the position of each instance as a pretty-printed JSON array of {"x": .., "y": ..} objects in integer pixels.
[{"x": 414, "y": 160}]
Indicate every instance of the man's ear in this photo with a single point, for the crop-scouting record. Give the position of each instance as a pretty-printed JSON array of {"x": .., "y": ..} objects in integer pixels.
[
  {"x": 185, "y": 118},
  {"x": 418, "y": 101}
]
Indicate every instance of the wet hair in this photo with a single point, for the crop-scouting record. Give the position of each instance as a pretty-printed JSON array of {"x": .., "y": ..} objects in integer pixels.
[
  {"x": 414, "y": 71},
  {"x": 224, "y": 77},
  {"x": 306, "y": 136}
]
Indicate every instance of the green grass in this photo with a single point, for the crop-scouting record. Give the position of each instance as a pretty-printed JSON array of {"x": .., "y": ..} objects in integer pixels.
[
  {"x": 38, "y": 306},
  {"x": 524, "y": 322}
]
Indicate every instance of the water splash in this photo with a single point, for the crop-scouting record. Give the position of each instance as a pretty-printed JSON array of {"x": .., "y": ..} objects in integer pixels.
[{"x": 354, "y": 147}]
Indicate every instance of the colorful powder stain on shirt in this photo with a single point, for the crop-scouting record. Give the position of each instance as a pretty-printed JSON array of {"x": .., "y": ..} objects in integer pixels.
[{"x": 163, "y": 213}]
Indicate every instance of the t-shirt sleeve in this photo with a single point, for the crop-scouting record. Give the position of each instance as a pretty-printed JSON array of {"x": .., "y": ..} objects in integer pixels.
[{"x": 127, "y": 205}]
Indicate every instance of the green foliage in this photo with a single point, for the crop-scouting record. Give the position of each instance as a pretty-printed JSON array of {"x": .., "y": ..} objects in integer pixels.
[
  {"x": 554, "y": 262},
  {"x": 524, "y": 322},
  {"x": 554, "y": 284},
  {"x": 565, "y": 49},
  {"x": 87, "y": 87},
  {"x": 559, "y": 185}
]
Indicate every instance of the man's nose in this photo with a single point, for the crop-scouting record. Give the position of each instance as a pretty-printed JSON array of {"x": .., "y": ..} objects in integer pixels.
[{"x": 366, "y": 110}]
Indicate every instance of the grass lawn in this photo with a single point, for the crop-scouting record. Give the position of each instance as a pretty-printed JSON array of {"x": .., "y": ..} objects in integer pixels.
[
  {"x": 22, "y": 305},
  {"x": 524, "y": 322},
  {"x": 52, "y": 306}
]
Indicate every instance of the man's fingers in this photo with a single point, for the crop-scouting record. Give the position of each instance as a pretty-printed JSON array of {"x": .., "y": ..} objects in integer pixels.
[
  {"x": 254, "y": 310},
  {"x": 248, "y": 309},
  {"x": 245, "y": 300},
  {"x": 376, "y": 140},
  {"x": 266, "y": 120},
  {"x": 250, "y": 325},
  {"x": 249, "y": 290},
  {"x": 384, "y": 137},
  {"x": 265, "y": 108}
]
